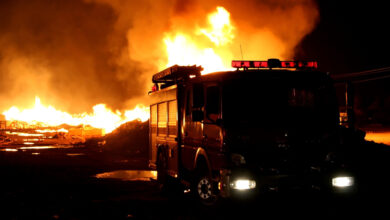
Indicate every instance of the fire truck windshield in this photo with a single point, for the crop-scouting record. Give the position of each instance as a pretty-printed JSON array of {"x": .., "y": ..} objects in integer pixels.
[{"x": 276, "y": 104}]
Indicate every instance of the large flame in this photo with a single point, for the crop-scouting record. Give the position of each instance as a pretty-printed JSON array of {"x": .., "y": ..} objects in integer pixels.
[
  {"x": 206, "y": 47},
  {"x": 220, "y": 31},
  {"x": 101, "y": 117}
]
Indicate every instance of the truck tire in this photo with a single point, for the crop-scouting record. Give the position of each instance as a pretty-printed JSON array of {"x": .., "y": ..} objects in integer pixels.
[{"x": 204, "y": 189}]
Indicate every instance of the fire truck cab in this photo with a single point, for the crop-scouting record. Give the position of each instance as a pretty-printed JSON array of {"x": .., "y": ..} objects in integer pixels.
[{"x": 266, "y": 126}]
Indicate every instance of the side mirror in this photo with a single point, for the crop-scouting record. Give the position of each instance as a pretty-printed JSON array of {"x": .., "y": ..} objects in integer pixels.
[{"x": 197, "y": 115}]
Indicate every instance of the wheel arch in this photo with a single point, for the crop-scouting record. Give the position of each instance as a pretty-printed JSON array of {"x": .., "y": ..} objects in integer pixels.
[{"x": 201, "y": 159}]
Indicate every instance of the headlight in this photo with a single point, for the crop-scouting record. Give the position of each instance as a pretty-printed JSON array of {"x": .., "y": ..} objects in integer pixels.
[
  {"x": 342, "y": 181},
  {"x": 243, "y": 184}
]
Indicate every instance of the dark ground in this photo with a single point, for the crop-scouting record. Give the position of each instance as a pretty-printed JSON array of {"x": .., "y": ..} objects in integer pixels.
[{"x": 61, "y": 184}]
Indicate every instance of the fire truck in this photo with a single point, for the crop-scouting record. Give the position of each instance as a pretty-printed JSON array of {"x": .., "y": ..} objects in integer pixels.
[{"x": 264, "y": 126}]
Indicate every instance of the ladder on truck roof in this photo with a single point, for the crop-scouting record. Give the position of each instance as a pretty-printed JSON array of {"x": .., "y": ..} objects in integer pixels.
[{"x": 176, "y": 73}]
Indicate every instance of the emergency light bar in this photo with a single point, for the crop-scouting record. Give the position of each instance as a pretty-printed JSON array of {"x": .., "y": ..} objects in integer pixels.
[{"x": 274, "y": 63}]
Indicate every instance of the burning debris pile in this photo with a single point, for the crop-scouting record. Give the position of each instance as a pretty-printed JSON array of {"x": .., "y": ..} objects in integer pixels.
[
  {"x": 133, "y": 132},
  {"x": 62, "y": 135},
  {"x": 44, "y": 125},
  {"x": 131, "y": 139}
]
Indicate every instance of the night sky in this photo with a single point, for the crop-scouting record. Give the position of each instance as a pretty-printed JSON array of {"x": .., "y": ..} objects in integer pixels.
[{"x": 350, "y": 36}]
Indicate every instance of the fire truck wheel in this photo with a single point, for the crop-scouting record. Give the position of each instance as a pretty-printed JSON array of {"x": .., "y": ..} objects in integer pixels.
[{"x": 204, "y": 189}]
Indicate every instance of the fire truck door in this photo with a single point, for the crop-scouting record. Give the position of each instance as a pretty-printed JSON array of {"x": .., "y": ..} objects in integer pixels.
[
  {"x": 192, "y": 134},
  {"x": 212, "y": 131}
]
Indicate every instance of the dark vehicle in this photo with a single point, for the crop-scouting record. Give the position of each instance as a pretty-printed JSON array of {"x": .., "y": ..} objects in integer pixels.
[{"x": 268, "y": 126}]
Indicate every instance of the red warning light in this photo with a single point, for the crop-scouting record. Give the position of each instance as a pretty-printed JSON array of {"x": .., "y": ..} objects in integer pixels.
[
  {"x": 154, "y": 88},
  {"x": 312, "y": 64},
  {"x": 288, "y": 64},
  {"x": 260, "y": 64}
]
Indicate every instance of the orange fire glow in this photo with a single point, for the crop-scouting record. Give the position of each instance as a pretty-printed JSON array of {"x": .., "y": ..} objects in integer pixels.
[
  {"x": 102, "y": 117},
  {"x": 220, "y": 31},
  {"x": 208, "y": 47},
  {"x": 379, "y": 137}
]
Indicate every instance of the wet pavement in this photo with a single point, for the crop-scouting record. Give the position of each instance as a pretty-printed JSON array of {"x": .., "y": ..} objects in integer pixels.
[{"x": 129, "y": 175}]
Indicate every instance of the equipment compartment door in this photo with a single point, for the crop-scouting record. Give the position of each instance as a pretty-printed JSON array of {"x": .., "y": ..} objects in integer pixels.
[{"x": 172, "y": 138}]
